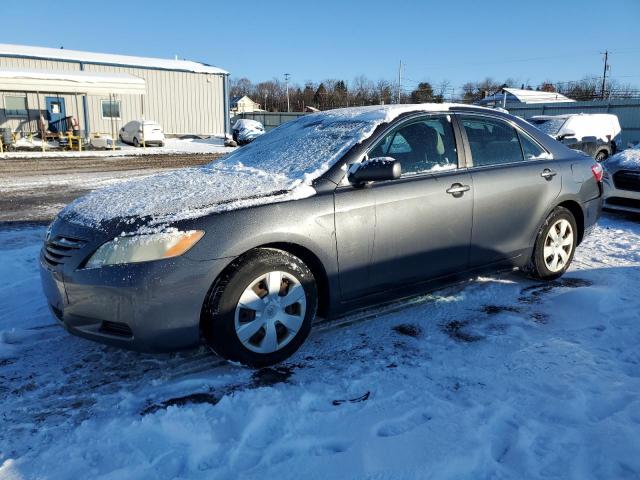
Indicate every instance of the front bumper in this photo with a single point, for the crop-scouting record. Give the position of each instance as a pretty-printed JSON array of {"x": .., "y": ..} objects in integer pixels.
[
  {"x": 618, "y": 199},
  {"x": 147, "y": 307}
]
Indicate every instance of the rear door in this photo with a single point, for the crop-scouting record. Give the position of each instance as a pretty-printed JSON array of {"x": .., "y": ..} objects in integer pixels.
[{"x": 515, "y": 182}]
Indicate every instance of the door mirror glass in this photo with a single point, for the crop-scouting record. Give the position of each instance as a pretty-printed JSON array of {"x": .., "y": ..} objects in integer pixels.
[
  {"x": 374, "y": 170},
  {"x": 567, "y": 133}
]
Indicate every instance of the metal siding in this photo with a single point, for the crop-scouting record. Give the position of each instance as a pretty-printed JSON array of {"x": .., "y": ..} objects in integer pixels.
[{"x": 182, "y": 102}]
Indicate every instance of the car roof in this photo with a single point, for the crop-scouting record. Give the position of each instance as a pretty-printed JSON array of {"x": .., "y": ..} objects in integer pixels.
[{"x": 387, "y": 113}]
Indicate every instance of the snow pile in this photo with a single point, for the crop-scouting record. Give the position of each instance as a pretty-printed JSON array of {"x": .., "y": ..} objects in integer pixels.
[
  {"x": 500, "y": 377},
  {"x": 173, "y": 146}
]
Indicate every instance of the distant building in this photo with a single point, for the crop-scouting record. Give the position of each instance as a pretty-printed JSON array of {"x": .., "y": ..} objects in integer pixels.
[
  {"x": 243, "y": 104},
  {"x": 506, "y": 96},
  {"x": 60, "y": 89}
]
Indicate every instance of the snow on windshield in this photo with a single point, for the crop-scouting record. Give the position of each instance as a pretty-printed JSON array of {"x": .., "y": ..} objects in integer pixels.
[
  {"x": 303, "y": 149},
  {"x": 549, "y": 126}
]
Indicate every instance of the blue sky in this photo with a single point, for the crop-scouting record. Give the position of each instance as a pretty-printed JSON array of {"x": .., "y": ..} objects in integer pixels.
[{"x": 456, "y": 40}]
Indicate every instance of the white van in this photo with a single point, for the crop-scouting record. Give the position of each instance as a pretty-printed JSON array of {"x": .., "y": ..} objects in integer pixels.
[{"x": 593, "y": 133}]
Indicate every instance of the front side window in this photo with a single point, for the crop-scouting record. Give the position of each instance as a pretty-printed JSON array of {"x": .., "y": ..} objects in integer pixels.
[
  {"x": 110, "y": 109},
  {"x": 423, "y": 146},
  {"x": 492, "y": 141},
  {"x": 15, "y": 106}
]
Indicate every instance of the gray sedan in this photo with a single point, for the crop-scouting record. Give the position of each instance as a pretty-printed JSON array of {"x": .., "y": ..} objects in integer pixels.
[{"x": 332, "y": 212}]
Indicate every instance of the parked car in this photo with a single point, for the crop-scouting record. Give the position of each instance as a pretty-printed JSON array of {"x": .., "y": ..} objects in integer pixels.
[
  {"x": 331, "y": 212},
  {"x": 246, "y": 131},
  {"x": 138, "y": 132},
  {"x": 595, "y": 134},
  {"x": 622, "y": 181}
]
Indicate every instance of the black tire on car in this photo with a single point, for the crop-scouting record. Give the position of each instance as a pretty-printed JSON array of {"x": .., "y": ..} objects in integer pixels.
[
  {"x": 602, "y": 155},
  {"x": 225, "y": 318},
  {"x": 136, "y": 142},
  {"x": 555, "y": 246}
]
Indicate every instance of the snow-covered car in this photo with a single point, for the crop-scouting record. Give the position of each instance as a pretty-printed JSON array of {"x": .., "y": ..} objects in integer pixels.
[
  {"x": 622, "y": 181},
  {"x": 595, "y": 134},
  {"x": 331, "y": 212},
  {"x": 139, "y": 132},
  {"x": 245, "y": 131}
]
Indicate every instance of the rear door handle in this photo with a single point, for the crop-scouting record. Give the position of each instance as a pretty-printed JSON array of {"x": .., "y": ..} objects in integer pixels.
[
  {"x": 457, "y": 189},
  {"x": 548, "y": 174}
]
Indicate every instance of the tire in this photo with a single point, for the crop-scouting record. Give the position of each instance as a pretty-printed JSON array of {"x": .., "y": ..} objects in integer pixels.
[
  {"x": 224, "y": 318},
  {"x": 136, "y": 142},
  {"x": 602, "y": 155},
  {"x": 546, "y": 250}
]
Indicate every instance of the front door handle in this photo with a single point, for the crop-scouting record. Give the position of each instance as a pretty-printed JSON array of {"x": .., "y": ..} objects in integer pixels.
[
  {"x": 457, "y": 189},
  {"x": 548, "y": 174}
]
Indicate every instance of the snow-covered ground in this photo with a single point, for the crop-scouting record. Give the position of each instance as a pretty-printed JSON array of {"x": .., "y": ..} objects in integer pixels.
[
  {"x": 173, "y": 146},
  {"x": 500, "y": 377}
]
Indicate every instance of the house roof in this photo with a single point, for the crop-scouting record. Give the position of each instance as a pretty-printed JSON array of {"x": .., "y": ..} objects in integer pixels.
[
  {"x": 8, "y": 50},
  {"x": 52, "y": 81},
  {"x": 527, "y": 96},
  {"x": 237, "y": 98}
]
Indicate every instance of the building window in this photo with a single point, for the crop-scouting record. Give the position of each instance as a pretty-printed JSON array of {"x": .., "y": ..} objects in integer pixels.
[
  {"x": 111, "y": 109},
  {"x": 15, "y": 106}
]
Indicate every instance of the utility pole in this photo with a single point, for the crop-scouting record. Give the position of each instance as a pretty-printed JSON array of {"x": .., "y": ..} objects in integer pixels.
[
  {"x": 400, "y": 82},
  {"x": 604, "y": 73},
  {"x": 286, "y": 82}
]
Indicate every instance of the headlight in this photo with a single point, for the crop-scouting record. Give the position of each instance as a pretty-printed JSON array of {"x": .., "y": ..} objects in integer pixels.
[{"x": 144, "y": 248}]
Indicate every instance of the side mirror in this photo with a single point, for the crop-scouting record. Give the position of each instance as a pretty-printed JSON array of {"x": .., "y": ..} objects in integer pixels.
[
  {"x": 567, "y": 133},
  {"x": 374, "y": 170}
]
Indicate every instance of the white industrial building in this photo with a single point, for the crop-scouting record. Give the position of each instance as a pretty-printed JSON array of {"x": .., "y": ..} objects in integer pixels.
[{"x": 60, "y": 90}]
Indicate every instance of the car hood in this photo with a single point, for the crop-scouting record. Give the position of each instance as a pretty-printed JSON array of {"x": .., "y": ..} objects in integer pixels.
[
  {"x": 183, "y": 194},
  {"x": 627, "y": 159}
]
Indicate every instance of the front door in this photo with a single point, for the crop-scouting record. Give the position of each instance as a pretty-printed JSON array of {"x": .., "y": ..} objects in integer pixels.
[
  {"x": 56, "y": 114},
  {"x": 421, "y": 222}
]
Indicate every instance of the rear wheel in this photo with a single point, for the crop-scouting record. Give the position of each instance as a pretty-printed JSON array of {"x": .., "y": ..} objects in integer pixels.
[
  {"x": 555, "y": 245},
  {"x": 259, "y": 312},
  {"x": 602, "y": 155},
  {"x": 136, "y": 142}
]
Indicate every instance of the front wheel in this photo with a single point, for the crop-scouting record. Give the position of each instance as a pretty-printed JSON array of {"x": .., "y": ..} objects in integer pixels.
[
  {"x": 259, "y": 312},
  {"x": 555, "y": 246},
  {"x": 136, "y": 142}
]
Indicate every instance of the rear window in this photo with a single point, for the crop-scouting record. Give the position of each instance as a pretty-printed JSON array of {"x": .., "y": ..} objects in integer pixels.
[{"x": 550, "y": 126}]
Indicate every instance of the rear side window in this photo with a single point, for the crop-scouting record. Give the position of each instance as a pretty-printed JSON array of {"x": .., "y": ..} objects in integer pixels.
[
  {"x": 531, "y": 150},
  {"x": 424, "y": 146},
  {"x": 492, "y": 141}
]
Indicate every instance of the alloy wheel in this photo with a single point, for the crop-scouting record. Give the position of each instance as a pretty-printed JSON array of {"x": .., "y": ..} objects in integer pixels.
[{"x": 558, "y": 245}]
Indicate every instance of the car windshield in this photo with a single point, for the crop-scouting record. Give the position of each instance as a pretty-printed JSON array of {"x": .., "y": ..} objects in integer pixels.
[
  {"x": 550, "y": 126},
  {"x": 303, "y": 149}
]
